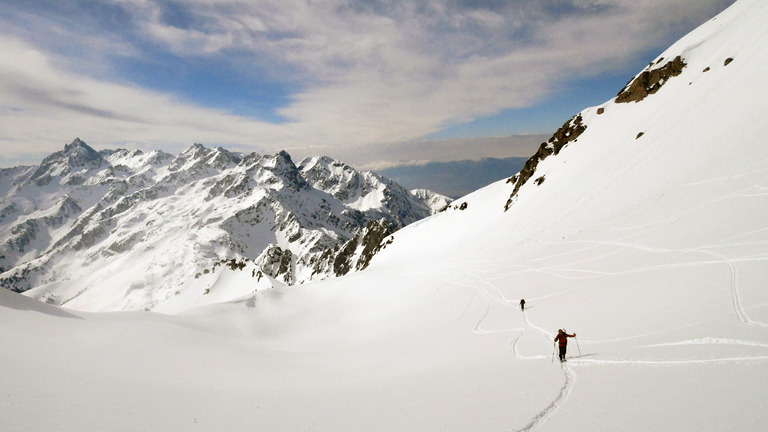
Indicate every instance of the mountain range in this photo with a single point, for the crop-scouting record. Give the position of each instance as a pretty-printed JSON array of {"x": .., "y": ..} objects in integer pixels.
[{"x": 120, "y": 229}]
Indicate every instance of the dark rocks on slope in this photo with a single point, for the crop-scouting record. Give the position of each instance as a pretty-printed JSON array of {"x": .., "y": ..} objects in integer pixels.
[
  {"x": 277, "y": 263},
  {"x": 283, "y": 167},
  {"x": 373, "y": 241},
  {"x": 368, "y": 241},
  {"x": 568, "y": 132},
  {"x": 647, "y": 83},
  {"x": 650, "y": 81}
]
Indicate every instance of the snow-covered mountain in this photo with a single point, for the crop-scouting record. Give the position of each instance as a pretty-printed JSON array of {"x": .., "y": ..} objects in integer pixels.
[
  {"x": 640, "y": 227},
  {"x": 125, "y": 229}
]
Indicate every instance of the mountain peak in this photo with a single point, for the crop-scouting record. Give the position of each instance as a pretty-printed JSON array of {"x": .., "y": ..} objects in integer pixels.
[
  {"x": 282, "y": 165},
  {"x": 284, "y": 157},
  {"x": 76, "y": 156},
  {"x": 81, "y": 154},
  {"x": 76, "y": 143},
  {"x": 195, "y": 149}
]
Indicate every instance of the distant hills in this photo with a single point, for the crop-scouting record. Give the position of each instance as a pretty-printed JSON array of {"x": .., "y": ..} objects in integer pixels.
[{"x": 454, "y": 179}]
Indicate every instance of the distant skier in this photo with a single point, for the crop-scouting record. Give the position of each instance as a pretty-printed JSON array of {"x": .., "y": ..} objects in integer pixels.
[
  {"x": 522, "y": 304},
  {"x": 562, "y": 341}
]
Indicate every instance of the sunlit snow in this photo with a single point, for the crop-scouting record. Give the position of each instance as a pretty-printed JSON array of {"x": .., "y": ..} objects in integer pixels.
[{"x": 653, "y": 250}]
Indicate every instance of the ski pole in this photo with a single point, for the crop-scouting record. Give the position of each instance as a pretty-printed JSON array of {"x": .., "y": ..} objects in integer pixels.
[
  {"x": 553, "y": 352},
  {"x": 577, "y": 345}
]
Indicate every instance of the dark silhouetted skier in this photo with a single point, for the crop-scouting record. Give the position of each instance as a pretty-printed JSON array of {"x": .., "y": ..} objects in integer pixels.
[{"x": 522, "y": 304}]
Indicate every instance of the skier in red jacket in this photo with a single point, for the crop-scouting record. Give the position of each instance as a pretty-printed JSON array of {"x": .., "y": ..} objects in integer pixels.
[{"x": 562, "y": 341}]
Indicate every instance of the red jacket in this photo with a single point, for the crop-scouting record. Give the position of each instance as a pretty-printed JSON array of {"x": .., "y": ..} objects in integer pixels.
[{"x": 562, "y": 338}]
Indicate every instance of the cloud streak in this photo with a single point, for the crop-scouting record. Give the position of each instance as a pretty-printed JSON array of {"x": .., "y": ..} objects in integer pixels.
[
  {"x": 44, "y": 105},
  {"x": 362, "y": 72}
]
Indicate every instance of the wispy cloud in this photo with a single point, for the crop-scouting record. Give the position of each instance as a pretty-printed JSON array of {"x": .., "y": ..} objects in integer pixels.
[
  {"x": 361, "y": 72},
  {"x": 44, "y": 105}
]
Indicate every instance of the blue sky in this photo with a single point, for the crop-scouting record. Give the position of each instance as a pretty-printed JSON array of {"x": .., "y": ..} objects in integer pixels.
[{"x": 368, "y": 82}]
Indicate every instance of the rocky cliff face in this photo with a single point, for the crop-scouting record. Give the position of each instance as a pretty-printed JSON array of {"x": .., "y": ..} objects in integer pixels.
[{"x": 120, "y": 225}]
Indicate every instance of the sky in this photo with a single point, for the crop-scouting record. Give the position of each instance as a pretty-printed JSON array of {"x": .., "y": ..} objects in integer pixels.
[{"x": 372, "y": 83}]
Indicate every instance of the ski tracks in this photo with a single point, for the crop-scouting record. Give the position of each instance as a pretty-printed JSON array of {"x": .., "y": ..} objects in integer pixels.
[
  {"x": 565, "y": 391},
  {"x": 688, "y": 361},
  {"x": 721, "y": 360},
  {"x": 735, "y": 290},
  {"x": 493, "y": 294},
  {"x": 733, "y": 283}
]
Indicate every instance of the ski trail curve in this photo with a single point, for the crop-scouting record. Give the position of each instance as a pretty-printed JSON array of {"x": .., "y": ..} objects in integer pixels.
[
  {"x": 736, "y": 297},
  {"x": 570, "y": 376},
  {"x": 565, "y": 391},
  {"x": 734, "y": 286},
  {"x": 521, "y": 330},
  {"x": 494, "y": 295}
]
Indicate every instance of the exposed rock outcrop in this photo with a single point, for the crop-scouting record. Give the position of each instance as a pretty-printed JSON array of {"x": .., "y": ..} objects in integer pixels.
[
  {"x": 567, "y": 133},
  {"x": 357, "y": 253},
  {"x": 650, "y": 81}
]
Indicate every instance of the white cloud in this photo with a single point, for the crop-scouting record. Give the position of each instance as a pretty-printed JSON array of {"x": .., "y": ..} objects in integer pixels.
[
  {"x": 369, "y": 72},
  {"x": 44, "y": 106},
  {"x": 403, "y": 71}
]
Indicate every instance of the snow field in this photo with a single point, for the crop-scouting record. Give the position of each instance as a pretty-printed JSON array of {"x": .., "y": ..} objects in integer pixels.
[{"x": 652, "y": 250}]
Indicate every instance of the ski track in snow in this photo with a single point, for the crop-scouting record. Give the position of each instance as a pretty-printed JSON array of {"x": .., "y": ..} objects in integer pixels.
[
  {"x": 738, "y": 308},
  {"x": 563, "y": 271},
  {"x": 734, "y": 288},
  {"x": 565, "y": 392},
  {"x": 719, "y": 360},
  {"x": 494, "y": 295}
]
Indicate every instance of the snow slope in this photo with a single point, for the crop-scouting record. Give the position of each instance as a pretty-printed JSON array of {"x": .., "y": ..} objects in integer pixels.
[{"x": 653, "y": 249}]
